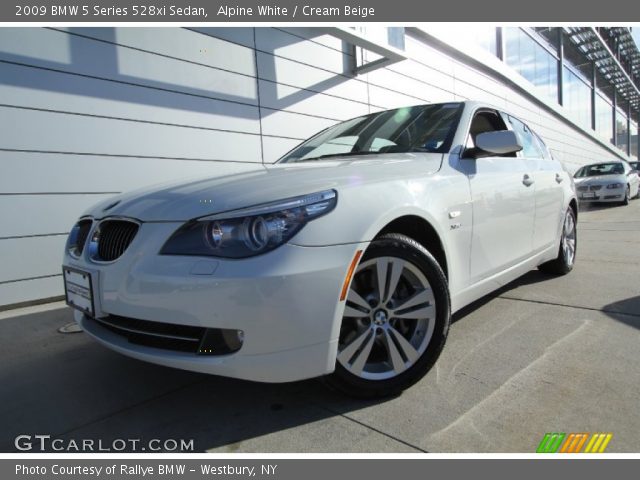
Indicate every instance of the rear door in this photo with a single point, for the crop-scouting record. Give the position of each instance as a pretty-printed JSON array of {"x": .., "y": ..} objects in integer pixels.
[
  {"x": 633, "y": 179},
  {"x": 548, "y": 177}
]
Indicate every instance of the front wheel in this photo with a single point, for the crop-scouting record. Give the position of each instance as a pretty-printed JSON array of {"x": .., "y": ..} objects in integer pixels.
[
  {"x": 627, "y": 196},
  {"x": 395, "y": 322},
  {"x": 563, "y": 263}
]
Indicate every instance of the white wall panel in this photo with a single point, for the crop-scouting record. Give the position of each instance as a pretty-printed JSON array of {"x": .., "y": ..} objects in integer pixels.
[
  {"x": 240, "y": 35},
  {"x": 282, "y": 44},
  {"x": 390, "y": 98},
  {"x": 42, "y": 214},
  {"x": 287, "y": 124},
  {"x": 179, "y": 43},
  {"x": 426, "y": 74},
  {"x": 58, "y": 91},
  {"x": 429, "y": 56},
  {"x": 288, "y": 72},
  {"x": 45, "y": 131},
  {"x": 389, "y": 80},
  {"x": 318, "y": 35},
  {"x": 31, "y": 257},
  {"x": 282, "y": 97},
  {"x": 26, "y": 291},
  {"x": 105, "y": 60},
  {"x": 30, "y": 172},
  {"x": 469, "y": 91}
]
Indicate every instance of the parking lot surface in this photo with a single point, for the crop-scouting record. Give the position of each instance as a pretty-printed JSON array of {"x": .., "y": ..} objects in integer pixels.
[{"x": 544, "y": 354}]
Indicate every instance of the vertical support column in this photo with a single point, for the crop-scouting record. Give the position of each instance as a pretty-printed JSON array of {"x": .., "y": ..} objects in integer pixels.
[
  {"x": 500, "y": 50},
  {"x": 628, "y": 128},
  {"x": 560, "y": 67},
  {"x": 593, "y": 95},
  {"x": 615, "y": 111}
]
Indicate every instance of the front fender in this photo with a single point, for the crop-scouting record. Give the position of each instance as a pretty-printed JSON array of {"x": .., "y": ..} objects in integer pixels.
[{"x": 442, "y": 200}]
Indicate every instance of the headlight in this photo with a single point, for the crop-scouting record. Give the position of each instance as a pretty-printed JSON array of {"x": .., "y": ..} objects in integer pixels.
[
  {"x": 611, "y": 186},
  {"x": 249, "y": 231},
  {"x": 78, "y": 237}
]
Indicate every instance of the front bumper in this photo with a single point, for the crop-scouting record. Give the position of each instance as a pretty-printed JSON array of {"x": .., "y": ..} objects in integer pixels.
[
  {"x": 602, "y": 196},
  {"x": 286, "y": 302}
]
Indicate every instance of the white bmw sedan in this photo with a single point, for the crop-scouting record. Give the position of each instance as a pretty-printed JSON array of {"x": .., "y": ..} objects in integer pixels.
[
  {"x": 345, "y": 259},
  {"x": 607, "y": 182}
]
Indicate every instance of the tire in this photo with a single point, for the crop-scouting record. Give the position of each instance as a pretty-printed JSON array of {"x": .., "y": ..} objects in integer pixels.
[
  {"x": 627, "y": 196},
  {"x": 565, "y": 260},
  {"x": 381, "y": 354}
]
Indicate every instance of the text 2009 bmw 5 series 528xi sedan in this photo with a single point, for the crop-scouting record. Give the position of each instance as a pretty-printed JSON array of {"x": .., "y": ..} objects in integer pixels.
[{"x": 345, "y": 259}]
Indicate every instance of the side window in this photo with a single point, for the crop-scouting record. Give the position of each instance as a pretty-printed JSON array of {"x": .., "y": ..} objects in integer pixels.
[
  {"x": 530, "y": 146},
  {"x": 543, "y": 146},
  {"x": 485, "y": 121}
]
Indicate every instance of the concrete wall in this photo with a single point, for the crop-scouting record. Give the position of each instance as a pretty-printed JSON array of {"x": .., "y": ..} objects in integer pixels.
[{"x": 86, "y": 113}]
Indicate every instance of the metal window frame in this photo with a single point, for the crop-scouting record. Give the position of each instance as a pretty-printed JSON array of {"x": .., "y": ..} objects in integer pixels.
[{"x": 389, "y": 54}]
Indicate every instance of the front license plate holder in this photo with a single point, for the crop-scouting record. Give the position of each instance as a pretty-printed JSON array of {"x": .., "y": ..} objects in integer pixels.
[{"x": 78, "y": 290}]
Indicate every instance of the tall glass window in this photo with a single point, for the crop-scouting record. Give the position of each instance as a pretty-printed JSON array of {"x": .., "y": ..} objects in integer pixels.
[
  {"x": 633, "y": 137},
  {"x": 622, "y": 131},
  {"x": 576, "y": 95},
  {"x": 604, "y": 118},
  {"x": 533, "y": 62}
]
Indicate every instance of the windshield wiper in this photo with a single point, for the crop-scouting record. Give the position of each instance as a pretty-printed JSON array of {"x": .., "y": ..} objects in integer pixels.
[
  {"x": 330, "y": 155},
  {"x": 368, "y": 152}
]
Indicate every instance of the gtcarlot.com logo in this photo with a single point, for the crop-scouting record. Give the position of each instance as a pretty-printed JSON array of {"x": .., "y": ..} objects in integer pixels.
[
  {"x": 47, "y": 443},
  {"x": 574, "y": 442}
]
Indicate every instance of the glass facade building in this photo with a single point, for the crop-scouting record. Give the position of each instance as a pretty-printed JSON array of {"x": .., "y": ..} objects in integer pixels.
[
  {"x": 533, "y": 60},
  {"x": 592, "y": 73}
]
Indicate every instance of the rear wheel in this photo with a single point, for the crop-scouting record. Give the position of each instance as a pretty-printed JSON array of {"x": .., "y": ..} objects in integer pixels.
[
  {"x": 563, "y": 263},
  {"x": 395, "y": 322}
]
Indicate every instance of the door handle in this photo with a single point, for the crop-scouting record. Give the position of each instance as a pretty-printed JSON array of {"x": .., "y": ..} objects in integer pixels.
[
  {"x": 527, "y": 180},
  {"x": 559, "y": 178}
]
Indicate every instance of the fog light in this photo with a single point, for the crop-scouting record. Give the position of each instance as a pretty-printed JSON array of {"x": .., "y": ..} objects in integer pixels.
[{"x": 220, "y": 341}]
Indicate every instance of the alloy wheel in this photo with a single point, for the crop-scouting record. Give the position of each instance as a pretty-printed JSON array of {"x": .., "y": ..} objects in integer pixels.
[
  {"x": 569, "y": 239},
  {"x": 388, "y": 320}
]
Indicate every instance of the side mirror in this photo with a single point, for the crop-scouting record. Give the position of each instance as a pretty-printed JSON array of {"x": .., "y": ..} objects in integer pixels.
[
  {"x": 499, "y": 143},
  {"x": 495, "y": 143}
]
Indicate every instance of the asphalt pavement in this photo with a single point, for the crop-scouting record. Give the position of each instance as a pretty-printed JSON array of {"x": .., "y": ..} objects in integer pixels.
[{"x": 545, "y": 354}]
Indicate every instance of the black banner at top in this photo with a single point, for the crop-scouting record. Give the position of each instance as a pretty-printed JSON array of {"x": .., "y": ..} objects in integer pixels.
[{"x": 329, "y": 11}]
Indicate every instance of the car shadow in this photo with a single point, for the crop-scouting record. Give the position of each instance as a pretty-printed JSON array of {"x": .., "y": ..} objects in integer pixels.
[
  {"x": 530, "y": 278},
  {"x": 594, "y": 207},
  {"x": 621, "y": 311},
  {"x": 70, "y": 387}
]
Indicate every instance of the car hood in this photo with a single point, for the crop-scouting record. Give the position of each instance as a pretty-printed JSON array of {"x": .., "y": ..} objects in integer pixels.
[
  {"x": 600, "y": 180},
  {"x": 187, "y": 200}
]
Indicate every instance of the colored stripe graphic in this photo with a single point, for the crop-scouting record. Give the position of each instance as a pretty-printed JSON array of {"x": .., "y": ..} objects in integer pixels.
[
  {"x": 573, "y": 442},
  {"x": 550, "y": 443},
  {"x": 598, "y": 443}
]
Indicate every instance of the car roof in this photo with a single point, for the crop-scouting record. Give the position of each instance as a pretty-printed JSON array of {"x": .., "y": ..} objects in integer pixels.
[{"x": 604, "y": 163}]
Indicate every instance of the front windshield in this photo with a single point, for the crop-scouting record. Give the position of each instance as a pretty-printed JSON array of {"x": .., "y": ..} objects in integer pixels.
[
  {"x": 600, "y": 169},
  {"x": 424, "y": 128}
]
